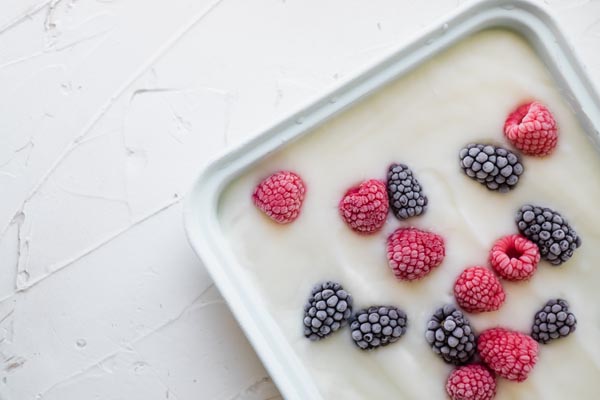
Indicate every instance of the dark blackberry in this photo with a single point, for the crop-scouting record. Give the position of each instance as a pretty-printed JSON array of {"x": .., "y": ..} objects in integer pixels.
[
  {"x": 327, "y": 310},
  {"x": 378, "y": 326},
  {"x": 496, "y": 167},
  {"x": 552, "y": 233},
  {"x": 404, "y": 192},
  {"x": 553, "y": 321},
  {"x": 450, "y": 335}
]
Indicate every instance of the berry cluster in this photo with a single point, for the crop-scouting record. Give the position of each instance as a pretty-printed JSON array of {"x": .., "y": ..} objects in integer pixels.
[
  {"x": 329, "y": 308},
  {"x": 414, "y": 253},
  {"x": 364, "y": 207}
]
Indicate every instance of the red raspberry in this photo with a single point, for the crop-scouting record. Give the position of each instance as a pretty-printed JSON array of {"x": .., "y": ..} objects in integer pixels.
[
  {"x": 531, "y": 128},
  {"x": 471, "y": 382},
  {"x": 477, "y": 289},
  {"x": 364, "y": 207},
  {"x": 280, "y": 196},
  {"x": 514, "y": 257},
  {"x": 413, "y": 253},
  {"x": 512, "y": 355}
]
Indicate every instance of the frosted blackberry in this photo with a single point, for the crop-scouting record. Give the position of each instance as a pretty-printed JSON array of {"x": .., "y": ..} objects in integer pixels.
[
  {"x": 327, "y": 310},
  {"x": 552, "y": 233},
  {"x": 378, "y": 326},
  {"x": 553, "y": 321},
  {"x": 495, "y": 167},
  {"x": 450, "y": 335},
  {"x": 404, "y": 192}
]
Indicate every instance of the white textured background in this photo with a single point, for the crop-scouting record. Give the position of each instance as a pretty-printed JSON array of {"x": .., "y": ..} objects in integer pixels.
[{"x": 108, "y": 110}]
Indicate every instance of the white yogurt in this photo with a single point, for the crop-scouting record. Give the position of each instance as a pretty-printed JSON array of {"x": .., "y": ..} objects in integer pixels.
[{"x": 423, "y": 120}]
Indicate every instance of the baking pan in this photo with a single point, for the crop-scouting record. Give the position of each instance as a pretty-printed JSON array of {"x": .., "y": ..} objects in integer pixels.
[{"x": 201, "y": 209}]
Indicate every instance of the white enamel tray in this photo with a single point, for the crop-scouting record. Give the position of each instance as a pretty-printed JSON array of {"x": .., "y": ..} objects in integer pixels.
[{"x": 201, "y": 217}]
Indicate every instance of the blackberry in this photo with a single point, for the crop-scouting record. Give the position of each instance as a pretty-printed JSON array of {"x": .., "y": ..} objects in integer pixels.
[
  {"x": 405, "y": 193},
  {"x": 450, "y": 335},
  {"x": 327, "y": 310},
  {"x": 552, "y": 233},
  {"x": 553, "y": 321},
  {"x": 378, "y": 326},
  {"x": 495, "y": 167}
]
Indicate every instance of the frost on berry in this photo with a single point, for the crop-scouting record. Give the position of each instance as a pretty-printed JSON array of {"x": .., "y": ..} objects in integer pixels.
[
  {"x": 555, "y": 237},
  {"x": 510, "y": 354},
  {"x": 514, "y": 257},
  {"x": 532, "y": 129},
  {"x": 477, "y": 289},
  {"x": 327, "y": 309},
  {"x": 364, "y": 208},
  {"x": 280, "y": 196},
  {"x": 413, "y": 253},
  {"x": 471, "y": 382}
]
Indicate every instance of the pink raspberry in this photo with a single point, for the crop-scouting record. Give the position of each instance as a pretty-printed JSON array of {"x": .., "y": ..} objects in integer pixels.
[
  {"x": 413, "y": 253},
  {"x": 512, "y": 355},
  {"x": 514, "y": 257},
  {"x": 477, "y": 289},
  {"x": 364, "y": 207},
  {"x": 471, "y": 382},
  {"x": 280, "y": 196},
  {"x": 531, "y": 128}
]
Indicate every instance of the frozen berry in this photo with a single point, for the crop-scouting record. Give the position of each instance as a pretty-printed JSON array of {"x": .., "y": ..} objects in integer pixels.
[
  {"x": 477, "y": 289},
  {"x": 280, "y": 196},
  {"x": 514, "y": 258},
  {"x": 378, "y": 326},
  {"x": 413, "y": 253},
  {"x": 364, "y": 207},
  {"x": 495, "y": 167},
  {"x": 553, "y": 321},
  {"x": 512, "y": 355},
  {"x": 405, "y": 192},
  {"x": 450, "y": 335},
  {"x": 531, "y": 128},
  {"x": 328, "y": 309},
  {"x": 556, "y": 239},
  {"x": 471, "y": 382}
]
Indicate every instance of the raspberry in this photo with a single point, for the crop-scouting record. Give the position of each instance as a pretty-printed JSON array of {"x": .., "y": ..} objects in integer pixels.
[
  {"x": 280, "y": 196},
  {"x": 514, "y": 257},
  {"x": 531, "y": 128},
  {"x": 477, "y": 289},
  {"x": 471, "y": 382},
  {"x": 512, "y": 355},
  {"x": 413, "y": 253},
  {"x": 450, "y": 335},
  {"x": 364, "y": 207}
]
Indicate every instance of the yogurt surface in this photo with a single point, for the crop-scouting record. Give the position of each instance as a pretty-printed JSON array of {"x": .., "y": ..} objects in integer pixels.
[{"x": 423, "y": 119}]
